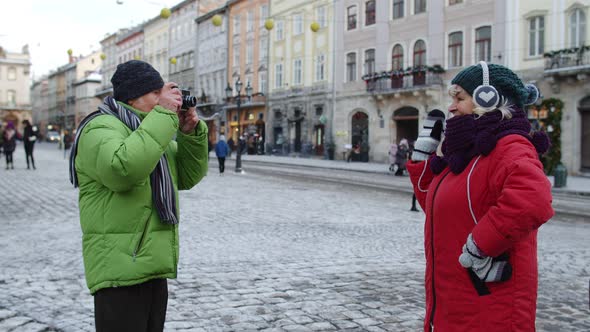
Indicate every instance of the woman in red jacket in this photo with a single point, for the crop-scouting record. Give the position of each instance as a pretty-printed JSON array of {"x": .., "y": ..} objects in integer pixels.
[{"x": 485, "y": 195}]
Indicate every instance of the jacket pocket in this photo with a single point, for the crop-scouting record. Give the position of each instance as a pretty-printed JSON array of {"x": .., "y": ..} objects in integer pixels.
[{"x": 145, "y": 220}]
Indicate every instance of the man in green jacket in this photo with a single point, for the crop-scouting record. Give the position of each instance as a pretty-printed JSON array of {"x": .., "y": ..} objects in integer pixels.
[{"x": 129, "y": 159}]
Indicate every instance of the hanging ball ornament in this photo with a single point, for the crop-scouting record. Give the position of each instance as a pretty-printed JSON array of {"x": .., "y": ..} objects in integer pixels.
[
  {"x": 165, "y": 13},
  {"x": 315, "y": 26},
  {"x": 173, "y": 61},
  {"x": 269, "y": 24},
  {"x": 70, "y": 51},
  {"x": 103, "y": 56},
  {"x": 137, "y": 57},
  {"x": 216, "y": 20}
]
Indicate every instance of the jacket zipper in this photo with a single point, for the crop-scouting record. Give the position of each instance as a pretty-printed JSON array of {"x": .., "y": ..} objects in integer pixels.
[
  {"x": 432, "y": 250},
  {"x": 142, "y": 236}
]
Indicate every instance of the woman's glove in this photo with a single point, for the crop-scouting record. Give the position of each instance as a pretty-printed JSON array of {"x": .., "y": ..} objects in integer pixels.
[
  {"x": 429, "y": 138},
  {"x": 488, "y": 269}
]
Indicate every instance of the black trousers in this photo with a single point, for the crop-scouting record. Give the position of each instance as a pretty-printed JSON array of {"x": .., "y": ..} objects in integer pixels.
[
  {"x": 9, "y": 158},
  {"x": 221, "y": 164},
  {"x": 29, "y": 154},
  {"x": 138, "y": 308}
]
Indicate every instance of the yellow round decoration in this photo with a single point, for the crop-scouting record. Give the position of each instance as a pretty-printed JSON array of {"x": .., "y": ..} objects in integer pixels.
[
  {"x": 173, "y": 61},
  {"x": 315, "y": 26},
  {"x": 103, "y": 56},
  {"x": 269, "y": 24},
  {"x": 137, "y": 57},
  {"x": 216, "y": 20},
  {"x": 165, "y": 13},
  {"x": 70, "y": 51}
]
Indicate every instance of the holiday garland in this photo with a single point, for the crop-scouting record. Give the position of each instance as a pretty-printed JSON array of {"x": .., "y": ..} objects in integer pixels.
[
  {"x": 437, "y": 69},
  {"x": 571, "y": 50}
]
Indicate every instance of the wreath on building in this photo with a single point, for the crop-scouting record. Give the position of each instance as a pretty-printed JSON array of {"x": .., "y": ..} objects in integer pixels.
[{"x": 552, "y": 125}]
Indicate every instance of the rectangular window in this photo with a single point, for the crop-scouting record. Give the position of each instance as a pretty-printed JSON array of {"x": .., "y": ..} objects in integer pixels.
[
  {"x": 455, "y": 49},
  {"x": 577, "y": 28},
  {"x": 369, "y": 61},
  {"x": 297, "y": 24},
  {"x": 236, "y": 55},
  {"x": 249, "y": 53},
  {"x": 483, "y": 44},
  {"x": 11, "y": 97},
  {"x": 321, "y": 16},
  {"x": 237, "y": 25},
  {"x": 370, "y": 12},
  {"x": 11, "y": 75},
  {"x": 262, "y": 82},
  {"x": 250, "y": 21},
  {"x": 320, "y": 67},
  {"x": 351, "y": 67},
  {"x": 419, "y": 6},
  {"x": 279, "y": 28},
  {"x": 536, "y": 36},
  {"x": 278, "y": 75},
  {"x": 262, "y": 50},
  {"x": 351, "y": 13},
  {"x": 398, "y": 9},
  {"x": 297, "y": 72},
  {"x": 263, "y": 14}
]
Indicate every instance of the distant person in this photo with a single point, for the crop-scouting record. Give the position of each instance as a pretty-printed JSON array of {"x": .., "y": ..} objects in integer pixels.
[
  {"x": 391, "y": 153},
  {"x": 129, "y": 160},
  {"x": 232, "y": 146},
  {"x": 221, "y": 151},
  {"x": 485, "y": 195},
  {"x": 9, "y": 137},
  {"x": 401, "y": 156},
  {"x": 30, "y": 136}
]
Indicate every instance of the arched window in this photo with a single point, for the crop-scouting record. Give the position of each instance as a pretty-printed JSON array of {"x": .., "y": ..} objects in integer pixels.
[
  {"x": 397, "y": 57},
  {"x": 456, "y": 49},
  {"x": 419, "y": 53},
  {"x": 577, "y": 28}
]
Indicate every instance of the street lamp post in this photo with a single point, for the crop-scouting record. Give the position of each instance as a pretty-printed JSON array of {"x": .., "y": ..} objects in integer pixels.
[{"x": 238, "y": 99}]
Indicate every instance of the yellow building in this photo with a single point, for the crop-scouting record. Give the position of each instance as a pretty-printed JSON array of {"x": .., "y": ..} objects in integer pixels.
[{"x": 300, "y": 97}]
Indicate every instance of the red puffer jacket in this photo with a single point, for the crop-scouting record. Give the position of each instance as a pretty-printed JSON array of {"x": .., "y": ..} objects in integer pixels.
[{"x": 510, "y": 197}]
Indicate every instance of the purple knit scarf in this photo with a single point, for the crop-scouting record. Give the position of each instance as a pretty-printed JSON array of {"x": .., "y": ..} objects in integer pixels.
[{"x": 467, "y": 137}]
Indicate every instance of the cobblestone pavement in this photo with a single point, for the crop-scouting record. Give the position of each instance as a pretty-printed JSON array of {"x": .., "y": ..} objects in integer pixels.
[{"x": 258, "y": 253}]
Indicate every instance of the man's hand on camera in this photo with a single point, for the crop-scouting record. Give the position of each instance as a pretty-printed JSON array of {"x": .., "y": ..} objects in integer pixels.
[
  {"x": 171, "y": 97},
  {"x": 188, "y": 120}
]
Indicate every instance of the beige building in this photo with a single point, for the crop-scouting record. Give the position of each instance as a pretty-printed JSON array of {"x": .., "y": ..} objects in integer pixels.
[
  {"x": 109, "y": 64},
  {"x": 247, "y": 61},
  {"x": 15, "y": 103},
  {"x": 301, "y": 69},
  {"x": 547, "y": 43},
  {"x": 394, "y": 61},
  {"x": 156, "y": 44}
]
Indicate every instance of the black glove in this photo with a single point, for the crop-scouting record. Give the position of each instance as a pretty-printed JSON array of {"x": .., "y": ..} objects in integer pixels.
[
  {"x": 488, "y": 269},
  {"x": 429, "y": 138}
]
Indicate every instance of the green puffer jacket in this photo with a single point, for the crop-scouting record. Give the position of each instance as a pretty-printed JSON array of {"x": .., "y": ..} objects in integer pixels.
[{"x": 124, "y": 242}]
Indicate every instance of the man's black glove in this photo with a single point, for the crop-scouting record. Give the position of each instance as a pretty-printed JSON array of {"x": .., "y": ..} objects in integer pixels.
[
  {"x": 488, "y": 269},
  {"x": 429, "y": 138}
]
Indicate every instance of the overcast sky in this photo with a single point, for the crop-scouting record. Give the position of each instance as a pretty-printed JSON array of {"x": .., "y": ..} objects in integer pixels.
[{"x": 51, "y": 27}]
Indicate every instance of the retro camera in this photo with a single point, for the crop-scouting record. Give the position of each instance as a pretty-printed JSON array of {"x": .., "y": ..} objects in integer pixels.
[{"x": 188, "y": 101}]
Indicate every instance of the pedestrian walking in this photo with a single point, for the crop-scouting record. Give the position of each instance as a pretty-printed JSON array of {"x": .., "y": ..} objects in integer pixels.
[
  {"x": 391, "y": 153},
  {"x": 484, "y": 195},
  {"x": 29, "y": 139},
  {"x": 401, "y": 156},
  {"x": 232, "y": 145},
  {"x": 221, "y": 151},
  {"x": 129, "y": 169},
  {"x": 9, "y": 137}
]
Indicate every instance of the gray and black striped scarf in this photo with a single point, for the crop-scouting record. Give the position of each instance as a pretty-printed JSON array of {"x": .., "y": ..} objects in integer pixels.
[{"x": 160, "y": 179}]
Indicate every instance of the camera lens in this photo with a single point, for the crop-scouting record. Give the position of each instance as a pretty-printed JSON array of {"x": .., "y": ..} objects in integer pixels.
[{"x": 188, "y": 102}]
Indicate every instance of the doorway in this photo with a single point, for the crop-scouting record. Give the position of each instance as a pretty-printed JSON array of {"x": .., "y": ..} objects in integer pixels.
[
  {"x": 360, "y": 136},
  {"x": 406, "y": 123}
]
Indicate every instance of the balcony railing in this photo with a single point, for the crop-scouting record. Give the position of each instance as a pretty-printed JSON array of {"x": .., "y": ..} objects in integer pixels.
[
  {"x": 392, "y": 82},
  {"x": 567, "y": 58}
]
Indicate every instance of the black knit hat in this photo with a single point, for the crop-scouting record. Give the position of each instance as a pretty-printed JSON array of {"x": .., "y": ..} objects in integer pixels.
[
  {"x": 134, "y": 79},
  {"x": 503, "y": 79}
]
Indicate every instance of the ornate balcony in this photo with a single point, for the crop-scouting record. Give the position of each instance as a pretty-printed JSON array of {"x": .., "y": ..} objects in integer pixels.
[
  {"x": 565, "y": 64},
  {"x": 397, "y": 81}
]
